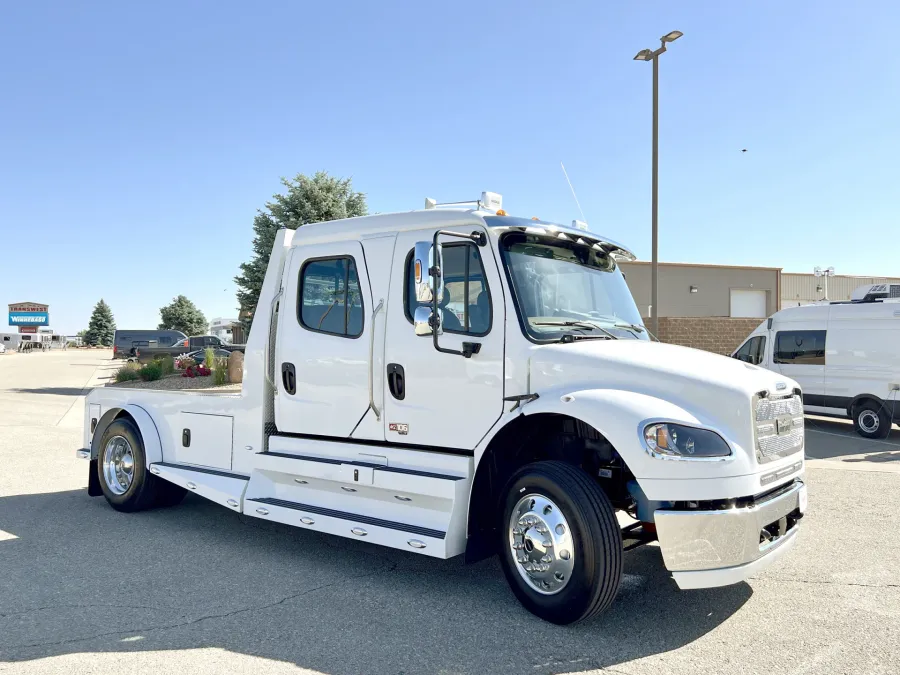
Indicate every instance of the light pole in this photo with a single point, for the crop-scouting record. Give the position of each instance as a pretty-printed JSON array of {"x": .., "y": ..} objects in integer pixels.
[
  {"x": 819, "y": 272},
  {"x": 650, "y": 55}
]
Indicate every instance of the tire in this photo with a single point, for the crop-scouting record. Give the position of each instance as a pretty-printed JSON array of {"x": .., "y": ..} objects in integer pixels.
[
  {"x": 126, "y": 492},
  {"x": 871, "y": 419},
  {"x": 576, "y": 587}
]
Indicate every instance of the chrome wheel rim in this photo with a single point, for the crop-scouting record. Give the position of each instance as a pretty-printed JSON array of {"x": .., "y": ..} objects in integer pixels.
[
  {"x": 118, "y": 465},
  {"x": 540, "y": 541},
  {"x": 868, "y": 421}
]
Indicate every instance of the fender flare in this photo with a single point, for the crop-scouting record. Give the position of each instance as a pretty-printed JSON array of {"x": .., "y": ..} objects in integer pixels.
[
  {"x": 149, "y": 432},
  {"x": 599, "y": 407}
]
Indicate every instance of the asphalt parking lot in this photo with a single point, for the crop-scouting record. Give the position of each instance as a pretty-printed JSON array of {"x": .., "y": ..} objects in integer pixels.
[{"x": 198, "y": 589}]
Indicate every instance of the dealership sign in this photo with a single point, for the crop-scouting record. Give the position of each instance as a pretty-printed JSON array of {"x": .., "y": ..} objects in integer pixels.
[
  {"x": 29, "y": 314},
  {"x": 28, "y": 329}
]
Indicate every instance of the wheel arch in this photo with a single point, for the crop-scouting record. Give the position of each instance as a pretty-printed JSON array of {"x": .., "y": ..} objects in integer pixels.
[
  {"x": 526, "y": 438},
  {"x": 141, "y": 419},
  {"x": 859, "y": 398}
]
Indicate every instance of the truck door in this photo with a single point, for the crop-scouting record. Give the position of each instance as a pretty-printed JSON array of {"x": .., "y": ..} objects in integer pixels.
[
  {"x": 433, "y": 398},
  {"x": 322, "y": 345},
  {"x": 800, "y": 354}
]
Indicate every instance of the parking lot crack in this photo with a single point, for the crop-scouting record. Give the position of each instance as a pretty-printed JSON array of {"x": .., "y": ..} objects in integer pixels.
[
  {"x": 824, "y": 582},
  {"x": 194, "y": 620}
]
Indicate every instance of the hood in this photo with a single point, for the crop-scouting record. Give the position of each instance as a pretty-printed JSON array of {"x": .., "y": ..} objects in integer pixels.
[{"x": 710, "y": 385}]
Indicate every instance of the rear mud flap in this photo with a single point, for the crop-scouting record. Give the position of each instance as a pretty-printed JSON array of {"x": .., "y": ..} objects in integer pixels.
[{"x": 94, "y": 489}]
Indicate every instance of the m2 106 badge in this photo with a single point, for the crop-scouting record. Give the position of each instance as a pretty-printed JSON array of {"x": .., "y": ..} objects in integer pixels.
[{"x": 400, "y": 427}]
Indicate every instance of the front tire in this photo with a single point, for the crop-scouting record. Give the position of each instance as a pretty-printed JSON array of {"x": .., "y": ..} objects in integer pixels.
[
  {"x": 871, "y": 419},
  {"x": 122, "y": 469},
  {"x": 561, "y": 545}
]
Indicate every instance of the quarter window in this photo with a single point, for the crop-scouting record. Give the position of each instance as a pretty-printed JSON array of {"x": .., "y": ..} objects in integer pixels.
[
  {"x": 466, "y": 303},
  {"x": 330, "y": 300},
  {"x": 802, "y": 347}
]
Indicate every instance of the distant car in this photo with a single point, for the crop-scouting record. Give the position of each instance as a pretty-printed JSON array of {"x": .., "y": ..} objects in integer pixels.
[
  {"x": 2, "y": 349},
  {"x": 200, "y": 354}
]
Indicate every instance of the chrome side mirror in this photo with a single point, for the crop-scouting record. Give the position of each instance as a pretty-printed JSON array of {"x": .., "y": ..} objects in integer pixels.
[
  {"x": 423, "y": 321},
  {"x": 423, "y": 260}
]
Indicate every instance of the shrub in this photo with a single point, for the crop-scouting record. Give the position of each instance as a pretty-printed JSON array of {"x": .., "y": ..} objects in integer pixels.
[
  {"x": 151, "y": 372},
  {"x": 168, "y": 364},
  {"x": 209, "y": 357},
  {"x": 220, "y": 372},
  {"x": 126, "y": 373}
]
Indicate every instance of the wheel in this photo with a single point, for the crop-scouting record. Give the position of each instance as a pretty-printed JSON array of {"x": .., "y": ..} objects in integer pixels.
[
  {"x": 561, "y": 545},
  {"x": 871, "y": 419},
  {"x": 122, "y": 469}
]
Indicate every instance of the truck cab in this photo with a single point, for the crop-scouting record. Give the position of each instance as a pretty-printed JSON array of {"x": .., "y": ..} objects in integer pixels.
[{"x": 460, "y": 381}]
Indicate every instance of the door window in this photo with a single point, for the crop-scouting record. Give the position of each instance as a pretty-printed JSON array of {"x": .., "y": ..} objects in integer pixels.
[
  {"x": 752, "y": 351},
  {"x": 466, "y": 303},
  {"x": 329, "y": 299},
  {"x": 801, "y": 347}
]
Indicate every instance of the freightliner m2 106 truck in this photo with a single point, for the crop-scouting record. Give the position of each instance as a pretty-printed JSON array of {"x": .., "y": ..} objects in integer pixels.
[{"x": 458, "y": 381}]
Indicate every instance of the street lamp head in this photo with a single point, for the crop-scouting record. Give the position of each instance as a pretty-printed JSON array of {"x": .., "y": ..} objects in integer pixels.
[
  {"x": 671, "y": 37},
  {"x": 644, "y": 55}
]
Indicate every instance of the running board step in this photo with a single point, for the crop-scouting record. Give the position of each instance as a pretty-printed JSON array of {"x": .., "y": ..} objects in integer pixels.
[
  {"x": 221, "y": 487},
  {"x": 355, "y": 517},
  {"x": 398, "y": 535}
]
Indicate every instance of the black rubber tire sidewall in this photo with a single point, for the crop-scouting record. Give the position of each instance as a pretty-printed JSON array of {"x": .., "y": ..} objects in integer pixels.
[
  {"x": 141, "y": 494},
  {"x": 884, "y": 420},
  {"x": 596, "y": 534}
]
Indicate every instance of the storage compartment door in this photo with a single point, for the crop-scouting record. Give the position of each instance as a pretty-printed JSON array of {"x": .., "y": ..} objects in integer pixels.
[{"x": 203, "y": 440}]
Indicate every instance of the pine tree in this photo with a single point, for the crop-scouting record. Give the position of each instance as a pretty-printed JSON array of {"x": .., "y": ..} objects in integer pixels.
[
  {"x": 182, "y": 314},
  {"x": 101, "y": 327},
  {"x": 307, "y": 200}
]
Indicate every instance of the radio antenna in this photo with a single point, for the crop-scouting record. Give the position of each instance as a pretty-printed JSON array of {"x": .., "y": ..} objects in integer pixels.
[{"x": 574, "y": 196}]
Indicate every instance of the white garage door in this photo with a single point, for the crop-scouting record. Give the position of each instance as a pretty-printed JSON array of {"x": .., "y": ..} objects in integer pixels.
[{"x": 748, "y": 303}]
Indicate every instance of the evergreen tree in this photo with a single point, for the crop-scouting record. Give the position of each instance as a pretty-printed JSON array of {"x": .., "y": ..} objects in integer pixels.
[
  {"x": 101, "y": 327},
  {"x": 182, "y": 314},
  {"x": 307, "y": 200}
]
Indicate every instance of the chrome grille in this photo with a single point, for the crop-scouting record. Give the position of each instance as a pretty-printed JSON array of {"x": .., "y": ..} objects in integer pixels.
[
  {"x": 771, "y": 445},
  {"x": 769, "y": 408}
]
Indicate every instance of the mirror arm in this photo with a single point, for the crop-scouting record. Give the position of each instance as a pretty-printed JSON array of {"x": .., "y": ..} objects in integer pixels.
[{"x": 469, "y": 348}]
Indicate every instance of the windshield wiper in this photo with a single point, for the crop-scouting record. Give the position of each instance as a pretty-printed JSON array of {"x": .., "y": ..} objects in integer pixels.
[{"x": 577, "y": 324}]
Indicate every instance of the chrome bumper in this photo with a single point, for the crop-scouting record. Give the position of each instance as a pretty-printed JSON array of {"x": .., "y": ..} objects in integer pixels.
[{"x": 694, "y": 541}]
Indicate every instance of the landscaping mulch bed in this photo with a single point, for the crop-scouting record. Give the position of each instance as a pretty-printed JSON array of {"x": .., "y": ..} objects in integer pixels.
[{"x": 176, "y": 382}]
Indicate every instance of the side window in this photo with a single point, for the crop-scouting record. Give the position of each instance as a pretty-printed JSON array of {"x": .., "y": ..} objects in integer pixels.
[
  {"x": 467, "y": 301},
  {"x": 330, "y": 300},
  {"x": 802, "y": 347},
  {"x": 165, "y": 340}
]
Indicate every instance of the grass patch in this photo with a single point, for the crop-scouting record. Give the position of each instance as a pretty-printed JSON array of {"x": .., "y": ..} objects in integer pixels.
[{"x": 220, "y": 372}]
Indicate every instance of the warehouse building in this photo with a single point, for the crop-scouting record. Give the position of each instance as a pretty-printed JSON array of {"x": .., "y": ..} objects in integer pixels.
[
  {"x": 803, "y": 289},
  {"x": 714, "y": 307},
  {"x": 711, "y": 307}
]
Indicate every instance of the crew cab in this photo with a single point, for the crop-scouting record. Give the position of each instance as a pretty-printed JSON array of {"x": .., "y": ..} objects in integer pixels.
[{"x": 458, "y": 381}]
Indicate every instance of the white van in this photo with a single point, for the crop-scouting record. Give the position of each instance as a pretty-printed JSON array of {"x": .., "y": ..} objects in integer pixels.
[{"x": 844, "y": 355}]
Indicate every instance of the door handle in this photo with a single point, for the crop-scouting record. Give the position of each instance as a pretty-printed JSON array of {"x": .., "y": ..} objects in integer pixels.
[
  {"x": 289, "y": 378},
  {"x": 396, "y": 381}
]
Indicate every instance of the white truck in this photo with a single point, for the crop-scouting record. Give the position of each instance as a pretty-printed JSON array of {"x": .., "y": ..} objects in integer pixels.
[{"x": 530, "y": 420}]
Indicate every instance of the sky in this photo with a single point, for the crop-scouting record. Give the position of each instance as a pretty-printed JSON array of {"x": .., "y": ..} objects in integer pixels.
[{"x": 137, "y": 140}]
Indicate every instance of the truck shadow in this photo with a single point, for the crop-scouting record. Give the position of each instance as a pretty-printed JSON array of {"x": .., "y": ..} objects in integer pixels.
[
  {"x": 53, "y": 391},
  {"x": 81, "y": 578}
]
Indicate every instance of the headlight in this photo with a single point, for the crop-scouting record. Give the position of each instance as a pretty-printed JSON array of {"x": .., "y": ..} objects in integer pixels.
[{"x": 675, "y": 440}]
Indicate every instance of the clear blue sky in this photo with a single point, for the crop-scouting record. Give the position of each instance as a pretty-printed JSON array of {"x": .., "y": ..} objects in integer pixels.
[{"x": 138, "y": 139}]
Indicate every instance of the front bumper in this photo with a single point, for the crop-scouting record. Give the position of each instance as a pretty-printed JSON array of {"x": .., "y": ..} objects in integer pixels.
[{"x": 704, "y": 549}]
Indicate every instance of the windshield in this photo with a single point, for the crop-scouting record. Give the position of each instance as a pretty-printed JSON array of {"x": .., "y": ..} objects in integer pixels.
[{"x": 563, "y": 288}]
